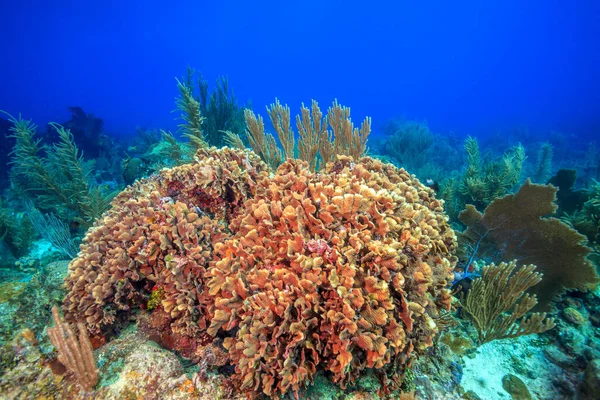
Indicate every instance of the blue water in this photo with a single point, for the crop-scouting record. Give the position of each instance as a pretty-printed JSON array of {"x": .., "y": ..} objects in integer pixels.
[{"x": 473, "y": 67}]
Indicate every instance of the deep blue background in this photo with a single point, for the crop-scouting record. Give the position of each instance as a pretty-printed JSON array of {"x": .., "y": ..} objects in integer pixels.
[{"x": 470, "y": 67}]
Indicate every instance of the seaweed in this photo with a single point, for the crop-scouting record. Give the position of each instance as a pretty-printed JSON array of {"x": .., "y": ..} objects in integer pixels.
[
  {"x": 482, "y": 181},
  {"x": 56, "y": 178},
  {"x": 15, "y": 230},
  {"x": 208, "y": 115},
  {"x": 587, "y": 219},
  {"x": 543, "y": 165}
]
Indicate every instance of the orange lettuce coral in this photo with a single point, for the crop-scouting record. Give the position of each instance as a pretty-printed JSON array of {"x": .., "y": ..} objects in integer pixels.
[
  {"x": 339, "y": 271},
  {"x": 158, "y": 233}
]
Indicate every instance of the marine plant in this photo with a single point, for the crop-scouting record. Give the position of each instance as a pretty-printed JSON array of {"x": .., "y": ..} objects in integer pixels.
[
  {"x": 543, "y": 164},
  {"x": 15, "y": 230},
  {"x": 191, "y": 114},
  {"x": 55, "y": 178},
  {"x": 481, "y": 182},
  {"x": 587, "y": 219},
  {"x": 518, "y": 227},
  {"x": 49, "y": 227},
  {"x": 498, "y": 305},
  {"x": 208, "y": 116},
  {"x": 341, "y": 271}
]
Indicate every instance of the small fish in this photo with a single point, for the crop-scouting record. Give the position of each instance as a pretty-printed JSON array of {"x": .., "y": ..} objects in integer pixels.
[
  {"x": 430, "y": 183},
  {"x": 462, "y": 275}
]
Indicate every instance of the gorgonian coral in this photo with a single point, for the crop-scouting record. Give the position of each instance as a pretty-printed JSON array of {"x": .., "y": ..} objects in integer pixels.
[
  {"x": 160, "y": 233},
  {"x": 338, "y": 271}
]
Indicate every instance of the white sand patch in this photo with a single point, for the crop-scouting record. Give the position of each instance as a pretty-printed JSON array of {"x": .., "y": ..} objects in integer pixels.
[{"x": 483, "y": 374}]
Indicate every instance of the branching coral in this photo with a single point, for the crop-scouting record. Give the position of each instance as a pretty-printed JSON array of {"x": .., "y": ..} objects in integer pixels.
[
  {"x": 158, "y": 233},
  {"x": 497, "y": 303},
  {"x": 340, "y": 271},
  {"x": 344, "y": 138},
  {"x": 515, "y": 227},
  {"x": 75, "y": 353},
  {"x": 262, "y": 143},
  {"x": 315, "y": 139}
]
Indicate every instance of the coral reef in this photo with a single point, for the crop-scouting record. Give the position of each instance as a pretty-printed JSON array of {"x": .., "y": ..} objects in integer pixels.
[
  {"x": 56, "y": 179},
  {"x": 30, "y": 302},
  {"x": 15, "y": 231},
  {"x": 340, "y": 271},
  {"x": 317, "y": 145},
  {"x": 159, "y": 233},
  {"x": 587, "y": 219},
  {"x": 515, "y": 227},
  {"x": 75, "y": 353},
  {"x": 543, "y": 164},
  {"x": 497, "y": 303},
  {"x": 25, "y": 372},
  {"x": 482, "y": 180}
]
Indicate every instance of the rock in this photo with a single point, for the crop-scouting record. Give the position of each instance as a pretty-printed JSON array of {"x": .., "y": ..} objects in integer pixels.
[
  {"x": 572, "y": 340},
  {"x": 591, "y": 379},
  {"x": 573, "y": 316},
  {"x": 471, "y": 395},
  {"x": 133, "y": 367},
  {"x": 515, "y": 387},
  {"x": 565, "y": 386},
  {"x": 561, "y": 359}
]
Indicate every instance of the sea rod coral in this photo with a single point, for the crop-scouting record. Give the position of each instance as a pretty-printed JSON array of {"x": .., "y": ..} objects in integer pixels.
[{"x": 294, "y": 273}]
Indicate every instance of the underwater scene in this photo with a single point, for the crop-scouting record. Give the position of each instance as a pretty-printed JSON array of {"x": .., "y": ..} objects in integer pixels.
[{"x": 189, "y": 209}]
